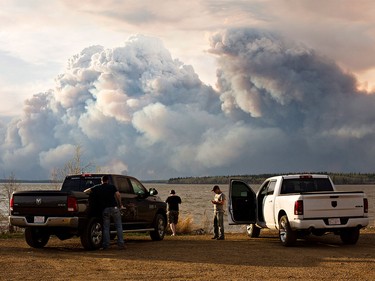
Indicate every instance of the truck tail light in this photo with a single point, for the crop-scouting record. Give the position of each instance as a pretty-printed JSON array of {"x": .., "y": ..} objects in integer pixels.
[
  {"x": 11, "y": 203},
  {"x": 298, "y": 207},
  {"x": 365, "y": 205},
  {"x": 72, "y": 204}
]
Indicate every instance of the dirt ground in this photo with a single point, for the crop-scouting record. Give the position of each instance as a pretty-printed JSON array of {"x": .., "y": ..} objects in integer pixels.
[{"x": 194, "y": 257}]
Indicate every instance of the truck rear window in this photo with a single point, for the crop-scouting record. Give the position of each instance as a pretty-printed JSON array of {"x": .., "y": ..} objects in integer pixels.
[
  {"x": 300, "y": 185},
  {"x": 79, "y": 183}
]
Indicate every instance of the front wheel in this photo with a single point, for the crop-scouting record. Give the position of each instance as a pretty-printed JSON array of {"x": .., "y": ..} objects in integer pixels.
[
  {"x": 349, "y": 236},
  {"x": 287, "y": 236},
  {"x": 36, "y": 237},
  {"x": 160, "y": 225},
  {"x": 92, "y": 235},
  {"x": 252, "y": 230}
]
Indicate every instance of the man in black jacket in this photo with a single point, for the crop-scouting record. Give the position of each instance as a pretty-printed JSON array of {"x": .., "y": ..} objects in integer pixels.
[
  {"x": 173, "y": 202},
  {"x": 109, "y": 199}
]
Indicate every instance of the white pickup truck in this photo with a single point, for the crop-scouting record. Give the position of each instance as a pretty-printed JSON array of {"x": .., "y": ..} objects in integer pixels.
[{"x": 298, "y": 205}]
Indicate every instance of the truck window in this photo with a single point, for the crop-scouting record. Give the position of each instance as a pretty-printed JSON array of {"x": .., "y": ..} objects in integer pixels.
[
  {"x": 239, "y": 190},
  {"x": 79, "y": 183},
  {"x": 271, "y": 187},
  {"x": 263, "y": 189},
  {"x": 123, "y": 185},
  {"x": 300, "y": 185},
  {"x": 138, "y": 188}
]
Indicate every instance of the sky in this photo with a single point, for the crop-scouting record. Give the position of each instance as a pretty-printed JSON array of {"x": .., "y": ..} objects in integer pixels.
[{"x": 163, "y": 89}]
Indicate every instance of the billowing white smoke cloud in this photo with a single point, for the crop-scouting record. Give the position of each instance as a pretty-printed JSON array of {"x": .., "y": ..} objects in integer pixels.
[
  {"x": 130, "y": 108},
  {"x": 134, "y": 109},
  {"x": 328, "y": 123}
]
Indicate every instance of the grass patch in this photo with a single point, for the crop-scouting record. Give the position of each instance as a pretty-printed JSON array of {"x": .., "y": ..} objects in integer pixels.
[{"x": 8, "y": 235}]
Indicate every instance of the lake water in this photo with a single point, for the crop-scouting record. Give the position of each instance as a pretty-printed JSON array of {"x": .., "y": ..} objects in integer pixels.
[{"x": 196, "y": 201}]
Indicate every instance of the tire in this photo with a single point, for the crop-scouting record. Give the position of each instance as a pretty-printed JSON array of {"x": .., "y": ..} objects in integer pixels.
[
  {"x": 160, "y": 225},
  {"x": 252, "y": 230},
  {"x": 92, "y": 235},
  {"x": 349, "y": 236},
  {"x": 287, "y": 236},
  {"x": 36, "y": 237}
]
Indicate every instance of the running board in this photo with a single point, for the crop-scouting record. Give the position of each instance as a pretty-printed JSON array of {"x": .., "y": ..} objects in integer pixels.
[{"x": 135, "y": 230}]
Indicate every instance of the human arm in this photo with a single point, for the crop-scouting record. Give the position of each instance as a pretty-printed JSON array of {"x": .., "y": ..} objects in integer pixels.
[
  {"x": 88, "y": 190},
  {"x": 118, "y": 199},
  {"x": 220, "y": 200}
]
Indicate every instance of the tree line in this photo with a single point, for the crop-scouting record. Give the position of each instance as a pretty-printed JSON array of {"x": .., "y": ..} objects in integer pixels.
[{"x": 337, "y": 178}]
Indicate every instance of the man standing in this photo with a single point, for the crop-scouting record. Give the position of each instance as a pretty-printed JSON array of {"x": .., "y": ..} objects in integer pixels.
[
  {"x": 173, "y": 202},
  {"x": 109, "y": 199},
  {"x": 219, "y": 202}
]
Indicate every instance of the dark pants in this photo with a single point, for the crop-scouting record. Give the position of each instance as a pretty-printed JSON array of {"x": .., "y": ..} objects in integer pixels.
[
  {"x": 219, "y": 224},
  {"x": 113, "y": 212}
]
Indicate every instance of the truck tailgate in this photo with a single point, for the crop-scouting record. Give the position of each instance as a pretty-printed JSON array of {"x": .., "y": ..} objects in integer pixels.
[
  {"x": 333, "y": 204},
  {"x": 34, "y": 203}
]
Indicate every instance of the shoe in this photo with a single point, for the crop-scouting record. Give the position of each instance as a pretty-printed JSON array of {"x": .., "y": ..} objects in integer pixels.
[
  {"x": 220, "y": 238},
  {"x": 121, "y": 247},
  {"x": 173, "y": 234},
  {"x": 215, "y": 237}
]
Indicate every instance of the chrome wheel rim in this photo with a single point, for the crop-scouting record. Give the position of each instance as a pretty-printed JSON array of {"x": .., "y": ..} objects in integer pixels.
[
  {"x": 96, "y": 234},
  {"x": 282, "y": 230},
  {"x": 161, "y": 227}
]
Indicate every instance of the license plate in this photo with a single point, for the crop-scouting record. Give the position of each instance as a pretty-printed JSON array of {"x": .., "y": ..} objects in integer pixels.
[
  {"x": 38, "y": 219},
  {"x": 334, "y": 221}
]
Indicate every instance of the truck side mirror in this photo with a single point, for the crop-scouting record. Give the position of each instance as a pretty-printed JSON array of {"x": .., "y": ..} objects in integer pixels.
[{"x": 153, "y": 191}]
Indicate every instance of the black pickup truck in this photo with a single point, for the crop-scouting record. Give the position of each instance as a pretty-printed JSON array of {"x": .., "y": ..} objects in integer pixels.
[{"x": 70, "y": 212}]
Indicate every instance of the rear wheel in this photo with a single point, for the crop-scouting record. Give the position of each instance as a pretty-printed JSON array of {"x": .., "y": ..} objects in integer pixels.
[
  {"x": 36, "y": 237},
  {"x": 92, "y": 236},
  {"x": 349, "y": 236},
  {"x": 252, "y": 230},
  {"x": 287, "y": 236},
  {"x": 160, "y": 225}
]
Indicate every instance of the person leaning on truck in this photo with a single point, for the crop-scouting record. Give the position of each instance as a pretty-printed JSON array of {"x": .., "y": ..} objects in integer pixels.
[
  {"x": 219, "y": 202},
  {"x": 110, "y": 202}
]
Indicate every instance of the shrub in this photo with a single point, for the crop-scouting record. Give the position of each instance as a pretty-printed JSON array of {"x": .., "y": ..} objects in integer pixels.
[{"x": 185, "y": 225}]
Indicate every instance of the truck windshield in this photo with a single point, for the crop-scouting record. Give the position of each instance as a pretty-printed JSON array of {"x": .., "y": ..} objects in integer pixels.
[
  {"x": 79, "y": 183},
  {"x": 300, "y": 185}
]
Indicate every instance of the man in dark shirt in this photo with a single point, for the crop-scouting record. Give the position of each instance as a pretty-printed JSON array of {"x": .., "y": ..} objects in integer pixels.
[
  {"x": 173, "y": 202},
  {"x": 109, "y": 201}
]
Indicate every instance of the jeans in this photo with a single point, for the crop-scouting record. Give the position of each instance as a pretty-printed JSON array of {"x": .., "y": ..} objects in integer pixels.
[
  {"x": 219, "y": 224},
  {"x": 113, "y": 212}
]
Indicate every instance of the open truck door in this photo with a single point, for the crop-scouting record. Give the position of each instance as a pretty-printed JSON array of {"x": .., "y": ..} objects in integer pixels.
[{"x": 242, "y": 203}]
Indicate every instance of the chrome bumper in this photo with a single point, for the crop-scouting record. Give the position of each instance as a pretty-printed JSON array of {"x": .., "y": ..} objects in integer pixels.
[
  {"x": 50, "y": 221},
  {"x": 320, "y": 224}
]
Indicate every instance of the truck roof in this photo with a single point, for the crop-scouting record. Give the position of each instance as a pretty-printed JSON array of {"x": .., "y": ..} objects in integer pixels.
[{"x": 304, "y": 176}]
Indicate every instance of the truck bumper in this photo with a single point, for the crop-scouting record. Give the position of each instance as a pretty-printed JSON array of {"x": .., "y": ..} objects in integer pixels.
[
  {"x": 48, "y": 222},
  {"x": 324, "y": 223}
]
